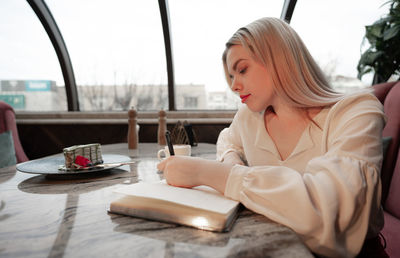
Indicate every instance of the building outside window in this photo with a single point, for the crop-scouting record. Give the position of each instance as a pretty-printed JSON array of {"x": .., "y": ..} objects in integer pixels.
[{"x": 190, "y": 102}]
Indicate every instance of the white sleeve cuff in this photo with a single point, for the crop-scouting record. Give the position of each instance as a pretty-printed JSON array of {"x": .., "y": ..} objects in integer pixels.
[{"x": 234, "y": 184}]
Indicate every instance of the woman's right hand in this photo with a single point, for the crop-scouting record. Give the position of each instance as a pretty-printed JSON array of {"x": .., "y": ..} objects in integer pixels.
[
  {"x": 192, "y": 171},
  {"x": 182, "y": 171}
]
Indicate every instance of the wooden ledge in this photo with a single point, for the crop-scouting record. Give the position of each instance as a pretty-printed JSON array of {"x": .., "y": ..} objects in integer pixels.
[{"x": 193, "y": 117}]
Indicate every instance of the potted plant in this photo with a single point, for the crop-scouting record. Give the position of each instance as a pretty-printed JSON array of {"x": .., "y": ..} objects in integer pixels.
[{"x": 383, "y": 55}]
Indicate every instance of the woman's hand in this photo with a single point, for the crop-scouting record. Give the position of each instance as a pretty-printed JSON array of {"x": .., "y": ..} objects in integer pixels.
[
  {"x": 189, "y": 172},
  {"x": 181, "y": 171}
]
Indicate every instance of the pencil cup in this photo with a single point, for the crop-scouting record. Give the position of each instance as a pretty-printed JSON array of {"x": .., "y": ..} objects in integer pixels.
[{"x": 179, "y": 149}]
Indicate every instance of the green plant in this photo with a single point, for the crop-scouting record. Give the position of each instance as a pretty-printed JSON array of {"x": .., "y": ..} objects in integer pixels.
[{"x": 383, "y": 55}]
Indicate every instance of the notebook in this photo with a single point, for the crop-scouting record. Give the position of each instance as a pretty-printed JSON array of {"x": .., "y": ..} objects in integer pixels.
[{"x": 200, "y": 207}]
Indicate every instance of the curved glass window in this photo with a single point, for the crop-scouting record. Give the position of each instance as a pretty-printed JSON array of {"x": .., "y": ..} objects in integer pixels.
[
  {"x": 333, "y": 32},
  {"x": 30, "y": 74},
  {"x": 117, "y": 52},
  {"x": 199, "y": 32}
]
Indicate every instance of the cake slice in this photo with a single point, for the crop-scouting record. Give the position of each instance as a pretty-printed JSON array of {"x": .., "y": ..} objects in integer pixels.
[{"x": 91, "y": 152}]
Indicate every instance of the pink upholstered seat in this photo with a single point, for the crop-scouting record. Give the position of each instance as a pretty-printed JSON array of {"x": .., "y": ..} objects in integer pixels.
[
  {"x": 389, "y": 95},
  {"x": 8, "y": 123}
]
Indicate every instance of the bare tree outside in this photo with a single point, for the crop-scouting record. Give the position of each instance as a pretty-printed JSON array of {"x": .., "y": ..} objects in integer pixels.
[
  {"x": 123, "y": 95},
  {"x": 96, "y": 97},
  {"x": 106, "y": 98},
  {"x": 161, "y": 97}
]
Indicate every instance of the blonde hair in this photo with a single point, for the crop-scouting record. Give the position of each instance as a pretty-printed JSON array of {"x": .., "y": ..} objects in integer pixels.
[{"x": 297, "y": 78}]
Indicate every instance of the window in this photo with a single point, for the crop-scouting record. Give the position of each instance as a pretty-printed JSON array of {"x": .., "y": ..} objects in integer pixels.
[
  {"x": 117, "y": 52},
  {"x": 333, "y": 32},
  {"x": 199, "y": 32},
  {"x": 30, "y": 74}
]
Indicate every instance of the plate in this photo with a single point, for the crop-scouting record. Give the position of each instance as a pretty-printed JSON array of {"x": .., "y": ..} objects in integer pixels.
[{"x": 50, "y": 165}]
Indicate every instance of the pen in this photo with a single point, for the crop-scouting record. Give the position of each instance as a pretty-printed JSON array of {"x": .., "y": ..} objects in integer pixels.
[{"x": 170, "y": 148}]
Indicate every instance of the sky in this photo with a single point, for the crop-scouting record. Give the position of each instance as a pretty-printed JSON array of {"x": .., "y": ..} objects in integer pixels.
[{"x": 123, "y": 42}]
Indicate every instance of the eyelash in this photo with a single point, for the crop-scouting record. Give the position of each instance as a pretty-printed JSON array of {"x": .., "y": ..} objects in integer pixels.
[{"x": 242, "y": 71}]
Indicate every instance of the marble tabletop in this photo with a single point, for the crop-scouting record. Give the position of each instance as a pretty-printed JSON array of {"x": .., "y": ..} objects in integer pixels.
[{"x": 43, "y": 216}]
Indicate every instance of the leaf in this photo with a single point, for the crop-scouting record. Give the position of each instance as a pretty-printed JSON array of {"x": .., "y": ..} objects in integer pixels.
[
  {"x": 391, "y": 32},
  {"x": 375, "y": 30},
  {"x": 369, "y": 57}
]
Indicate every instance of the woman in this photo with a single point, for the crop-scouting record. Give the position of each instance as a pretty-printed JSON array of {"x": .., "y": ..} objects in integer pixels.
[{"x": 297, "y": 152}]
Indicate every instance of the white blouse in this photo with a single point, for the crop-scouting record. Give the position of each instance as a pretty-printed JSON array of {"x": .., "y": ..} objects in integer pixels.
[{"x": 328, "y": 190}]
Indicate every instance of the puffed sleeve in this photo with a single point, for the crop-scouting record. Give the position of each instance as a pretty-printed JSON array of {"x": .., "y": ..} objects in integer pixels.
[
  {"x": 328, "y": 206},
  {"x": 229, "y": 139}
]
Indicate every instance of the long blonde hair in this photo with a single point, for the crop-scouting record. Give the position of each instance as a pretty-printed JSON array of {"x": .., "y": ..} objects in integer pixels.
[{"x": 297, "y": 78}]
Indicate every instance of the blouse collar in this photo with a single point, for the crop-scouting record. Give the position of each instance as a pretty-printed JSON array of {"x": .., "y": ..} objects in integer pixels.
[{"x": 265, "y": 142}]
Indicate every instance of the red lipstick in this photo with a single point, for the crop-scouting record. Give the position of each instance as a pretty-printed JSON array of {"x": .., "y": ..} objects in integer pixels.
[{"x": 244, "y": 97}]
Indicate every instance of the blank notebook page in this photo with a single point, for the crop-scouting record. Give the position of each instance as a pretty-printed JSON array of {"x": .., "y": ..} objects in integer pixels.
[{"x": 201, "y": 197}]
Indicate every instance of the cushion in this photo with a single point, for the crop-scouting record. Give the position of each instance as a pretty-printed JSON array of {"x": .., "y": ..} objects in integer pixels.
[
  {"x": 391, "y": 233},
  {"x": 393, "y": 200},
  {"x": 388, "y": 94},
  {"x": 7, "y": 151}
]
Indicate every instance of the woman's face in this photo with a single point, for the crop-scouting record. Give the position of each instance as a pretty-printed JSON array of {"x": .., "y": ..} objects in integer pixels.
[{"x": 250, "y": 79}]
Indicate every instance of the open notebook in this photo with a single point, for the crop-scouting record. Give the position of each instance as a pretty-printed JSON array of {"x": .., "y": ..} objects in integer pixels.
[{"x": 200, "y": 207}]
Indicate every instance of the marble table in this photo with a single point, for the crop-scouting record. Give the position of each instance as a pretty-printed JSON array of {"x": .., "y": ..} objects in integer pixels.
[{"x": 44, "y": 216}]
